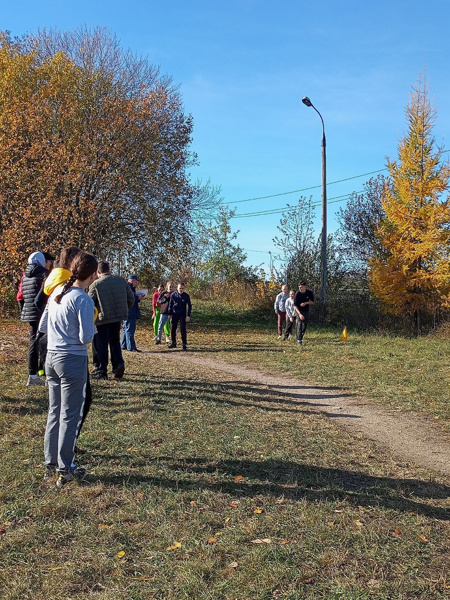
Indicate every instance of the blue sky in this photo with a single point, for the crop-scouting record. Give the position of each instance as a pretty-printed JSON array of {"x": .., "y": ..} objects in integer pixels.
[{"x": 243, "y": 67}]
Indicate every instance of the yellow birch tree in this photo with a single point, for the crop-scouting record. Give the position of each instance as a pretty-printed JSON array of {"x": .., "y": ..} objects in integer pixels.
[{"x": 410, "y": 274}]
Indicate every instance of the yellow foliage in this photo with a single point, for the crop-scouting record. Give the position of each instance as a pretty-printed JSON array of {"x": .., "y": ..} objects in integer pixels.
[{"x": 413, "y": 273}]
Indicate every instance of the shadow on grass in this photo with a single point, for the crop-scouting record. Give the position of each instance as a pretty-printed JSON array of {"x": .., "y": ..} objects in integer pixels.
[
  {"x": 24, "y": 406},
  {"x": 293, "y": 481},
  {"x": 233, "y": 393}
]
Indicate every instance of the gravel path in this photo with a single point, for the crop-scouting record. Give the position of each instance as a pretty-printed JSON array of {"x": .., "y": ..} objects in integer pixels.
[{"x": 415, "y": 438}]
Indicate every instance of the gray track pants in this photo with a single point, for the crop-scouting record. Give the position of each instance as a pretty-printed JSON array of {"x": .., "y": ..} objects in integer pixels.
[{"x": 66, "y": 377}]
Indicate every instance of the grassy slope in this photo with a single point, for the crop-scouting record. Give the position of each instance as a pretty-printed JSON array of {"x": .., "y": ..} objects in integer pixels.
[{"x": 180, "y": 455}]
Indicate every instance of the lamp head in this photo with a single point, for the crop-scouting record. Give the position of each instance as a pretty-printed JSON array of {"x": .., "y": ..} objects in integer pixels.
[{"x": 306, "y": 101}]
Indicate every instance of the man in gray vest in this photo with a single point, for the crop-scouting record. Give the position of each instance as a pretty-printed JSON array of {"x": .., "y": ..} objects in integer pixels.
[{"x": 113, "y": 298}]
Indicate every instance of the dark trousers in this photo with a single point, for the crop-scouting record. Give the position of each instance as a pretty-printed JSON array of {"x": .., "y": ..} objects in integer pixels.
[
  {"x": 181, "y": 319},
  {"x": 87, "y": 402},
  {"x": 33, "y": 350},
  {"x": 301, "y": 327},
  {"x": 108, "y": 335},
  {"x": 289, "y": 325}
]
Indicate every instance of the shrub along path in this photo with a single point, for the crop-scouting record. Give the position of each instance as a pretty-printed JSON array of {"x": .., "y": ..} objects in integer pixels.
[{"x": 413, "y": 437}]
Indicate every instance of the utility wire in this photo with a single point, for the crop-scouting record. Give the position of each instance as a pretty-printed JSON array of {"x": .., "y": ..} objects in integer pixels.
[
  {"x": 276, "y": 211},
  {"x": 313, "y": 187}
]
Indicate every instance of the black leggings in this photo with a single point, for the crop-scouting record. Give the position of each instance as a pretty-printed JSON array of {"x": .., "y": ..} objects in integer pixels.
[{"x": 87, "y": 402}]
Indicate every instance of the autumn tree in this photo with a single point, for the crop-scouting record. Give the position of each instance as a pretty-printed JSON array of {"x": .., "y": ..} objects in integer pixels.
[
  {"x": 410, "y": 273},
  {"x": 94, "y": 151}
]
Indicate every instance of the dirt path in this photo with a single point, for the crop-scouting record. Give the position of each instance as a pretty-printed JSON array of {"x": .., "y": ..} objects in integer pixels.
[{"x": 414, "y": 438}]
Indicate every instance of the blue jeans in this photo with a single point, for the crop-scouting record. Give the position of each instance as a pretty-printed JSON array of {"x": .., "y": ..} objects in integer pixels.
[
  {"x": 66, "y": 377},
  {"x": 161, "y": 325},
  {"x": 127, "y": 342}
]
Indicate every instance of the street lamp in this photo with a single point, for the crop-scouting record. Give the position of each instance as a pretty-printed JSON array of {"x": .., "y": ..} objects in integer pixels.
[{"x": 323, "y": 254}]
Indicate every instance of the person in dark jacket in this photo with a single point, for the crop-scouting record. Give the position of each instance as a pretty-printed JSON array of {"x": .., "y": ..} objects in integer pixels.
[
  {"x": 180, "y": 308},
  {"x": 129, "y": 325},
  {"x": 37, "y": 269},
  {"x": 113, "y": 298}
]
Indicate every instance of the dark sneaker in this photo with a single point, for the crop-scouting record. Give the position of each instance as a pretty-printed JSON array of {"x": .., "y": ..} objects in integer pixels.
[
  {"x": 299, "y": 342},
  {"x": 157, "y": 342},
  {"x": 119, "y": 371},
  {"x": 172, "y": 346},
  {"x": 50, "y": 472},
  {"x": 76, "y": 474},
  {"x": 185, "y": 348},
  {"x": 98, "y": 375}
]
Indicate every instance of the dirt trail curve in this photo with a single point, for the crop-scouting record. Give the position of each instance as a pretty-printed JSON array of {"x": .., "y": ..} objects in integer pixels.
[{"x": 415, "y": 438}]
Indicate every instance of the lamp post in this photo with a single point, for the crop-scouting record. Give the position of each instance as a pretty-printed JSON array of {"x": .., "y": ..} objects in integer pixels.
[{"x": 323, "y": 253}]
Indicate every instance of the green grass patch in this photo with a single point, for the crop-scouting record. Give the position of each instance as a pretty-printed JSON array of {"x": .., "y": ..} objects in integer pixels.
[
  {"x": 204, "y": 487},
  {"x": 406, "y": 373}
]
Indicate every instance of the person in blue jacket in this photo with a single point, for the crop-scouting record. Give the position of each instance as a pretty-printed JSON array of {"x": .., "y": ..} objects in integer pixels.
[
  {"x": 180, "y": 308},
  {"x": 129, "y": 325}
]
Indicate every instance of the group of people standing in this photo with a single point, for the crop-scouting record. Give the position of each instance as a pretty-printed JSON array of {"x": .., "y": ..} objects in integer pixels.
[
  {"x": 293, "y": 307},
  {"x": 67, "y": 307},
  {"x": 173, "y": 305}
]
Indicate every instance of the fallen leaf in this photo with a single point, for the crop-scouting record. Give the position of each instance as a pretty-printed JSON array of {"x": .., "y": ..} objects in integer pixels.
[
  {"x": 398, "y": 532},
  {"x": 132, "y": 450},
  {"x": 238, "y": 478},
  {"x": 330, "y": 523},
  {"x": 257, "y": 511},
  {"x": 358, "y": 523},
  {"x": 54, "y": 568},
  {"x": 102, "y": 526},
  {"x": 139, "y": 495},
  {"x": 226, "y": 520},
  {"x": 234, "y": 505},
  {"x": 262, "y": 541},
  {"x": 175, "y": 546},
  {"x": 120, "y": 555},
  {"x": 423, "y": 538},
  {"x": 285, "y": 542},
  {"x": 212, "y": 540},
  {"x": 193, "y": 503},
  {"x": 306, "y": 580},
  {"x": 233, "y": 565}
]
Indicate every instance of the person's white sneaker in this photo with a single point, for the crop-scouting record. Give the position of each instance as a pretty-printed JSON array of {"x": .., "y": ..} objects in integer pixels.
[
  {"x": 279, "y": 337},
  {"x": 35, "y": 381}
]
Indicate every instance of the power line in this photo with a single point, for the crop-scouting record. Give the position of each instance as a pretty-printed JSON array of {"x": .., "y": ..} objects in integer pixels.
[
  {"x": 313, "y": 187},
  {"x": 277, "y": 211}
]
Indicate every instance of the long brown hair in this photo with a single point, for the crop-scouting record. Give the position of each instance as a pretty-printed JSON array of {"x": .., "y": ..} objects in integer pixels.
[
  {"x": 67, "y": 255},
  {"x": 82, "y": 267}
]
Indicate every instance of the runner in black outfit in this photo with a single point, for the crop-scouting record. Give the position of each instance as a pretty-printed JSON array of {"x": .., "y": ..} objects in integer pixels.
[{"x": 304, "y": 298}]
